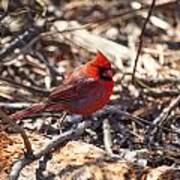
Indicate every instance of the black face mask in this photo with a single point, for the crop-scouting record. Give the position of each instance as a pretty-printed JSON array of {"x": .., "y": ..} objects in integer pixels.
[{"x": 103, "y": 73}]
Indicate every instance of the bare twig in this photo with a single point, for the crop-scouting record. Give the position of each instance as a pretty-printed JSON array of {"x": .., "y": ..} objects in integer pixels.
[
  {"x": 51, "y": 146},
  {"x": 140, "y": 121},
  {"x": 15, "y": 105},
  {"x": 20, "y": 41},
  {"x": 27, "y": 144},
  {"x": 53, "y": 72},
  {"x": 141, "y": 39},
  {"x": 61, "y": 121},
  {"x": 159, "y": 81},
  {"x": 107, "y": 136},
  {"x": 164, "y": 114},
  {"x": 165, "y": 93},
  {"x": 151, "y": 81},
  {"x": 161, "y": 119},
  {"x": 35, "y": 90},
  {"x": 117, "y": 109},
  {"x": 156, "y": 93}
]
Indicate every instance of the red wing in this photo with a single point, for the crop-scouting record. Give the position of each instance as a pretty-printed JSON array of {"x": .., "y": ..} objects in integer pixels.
[{"x": 76, "y": 88}]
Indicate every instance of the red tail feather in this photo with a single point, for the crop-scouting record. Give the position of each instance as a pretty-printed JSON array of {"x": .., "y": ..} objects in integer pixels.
[{"x": 37, "y": 108}]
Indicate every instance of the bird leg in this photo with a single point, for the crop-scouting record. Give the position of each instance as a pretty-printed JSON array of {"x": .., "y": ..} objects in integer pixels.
[{"x": 61, "y": 121}]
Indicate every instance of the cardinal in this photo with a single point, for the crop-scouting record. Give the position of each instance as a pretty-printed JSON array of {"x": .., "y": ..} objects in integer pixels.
[{"x": 86, "y": 90}]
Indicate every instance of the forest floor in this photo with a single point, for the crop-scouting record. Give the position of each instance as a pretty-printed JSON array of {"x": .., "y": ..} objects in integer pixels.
[{"x": 137, "y": 135}]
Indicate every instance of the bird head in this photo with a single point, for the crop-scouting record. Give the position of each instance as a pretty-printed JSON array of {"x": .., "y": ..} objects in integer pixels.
[
  {"x": 101, "y": 60},
  {"x": 102, "y": 66}
]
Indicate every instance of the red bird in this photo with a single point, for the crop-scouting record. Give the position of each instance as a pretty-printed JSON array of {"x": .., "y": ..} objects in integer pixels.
[{"x": 84, "y": 91}]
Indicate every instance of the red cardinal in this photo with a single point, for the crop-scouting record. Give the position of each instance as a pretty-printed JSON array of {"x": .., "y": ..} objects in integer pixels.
[{"x": 85, "y": 91}]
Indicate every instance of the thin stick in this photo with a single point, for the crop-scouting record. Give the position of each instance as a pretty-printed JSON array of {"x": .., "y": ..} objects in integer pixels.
[
  {"x": 36, "y": 90},
  {"x": 141, "y": 39},
  {"x": 27, "y": 144},
  {"x": 15, "y": 105},
  {"x": 107, "y": 136},
  {"x": 164, "y": 114},
  {"x": 157, "y": 123}
]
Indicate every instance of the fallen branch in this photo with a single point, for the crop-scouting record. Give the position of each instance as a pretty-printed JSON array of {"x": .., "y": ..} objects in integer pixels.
[
  {"x": 51, "y": 146},
  {"x": 164, "y": 114},
  {"x": 157, "y": 122},
  {"x": 27, "y": 144}
]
